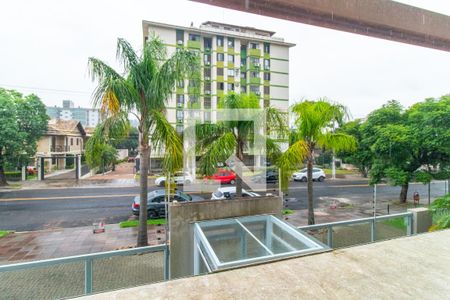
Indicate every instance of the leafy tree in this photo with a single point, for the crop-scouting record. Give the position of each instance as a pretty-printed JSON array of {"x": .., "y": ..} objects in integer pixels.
[
  {"x": 23, "y": 120},
  {"x": 143, "y": 91},
  {"x": 315, "y": 123},
  {"x": 362, "y": 157},
  {"x": 217, "y": 142},
  {"x": 130, "y": 141},
  {"x": 406, "y": 145}
]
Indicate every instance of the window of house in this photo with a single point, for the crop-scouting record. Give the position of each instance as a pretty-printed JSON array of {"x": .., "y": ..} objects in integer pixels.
[
  {"x": 180, "y": 84},
  {"x": 266, "y": 90},
  {"x": 230, "y": 42},
  {"x": 254, "y": 60},
  {"x": 266, "y": 76},
  {"x": 219, "y": 71},
  {"x": 194, "y": 37},
  {"x": 243, "y": 89},
  {"x": 180, "y": 114},
  {"x": 207, "y": 102},
  {"x": 207, "y": 43},
  {"x": 219, "y": 41},
  {"x": 179, "y": 128},
  {"x": 255, "y": 89},
  {"x": 266, "y": 64},
  {"x": 254, "y": 45},
  {"x": 207, "y": 59},
  {"x": 180, "y": 37},
  {"x": 220, "y": 86},
  {"x": 220, "y": 57},
  {"x": 78, "y": 141},
  {"x": 230, "y": 58},
  {"x": 230, "y": 72},
  {"x": 266, "y": 48},
  {"x": 254, "y": 74},
  {"x": 244, "y": 75},
  {"x": 71, "y": 141},
  {"x": 230, "y": 86}
]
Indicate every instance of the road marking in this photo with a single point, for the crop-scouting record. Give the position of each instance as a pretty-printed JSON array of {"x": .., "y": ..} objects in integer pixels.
[{"x": 66, "y": 197}]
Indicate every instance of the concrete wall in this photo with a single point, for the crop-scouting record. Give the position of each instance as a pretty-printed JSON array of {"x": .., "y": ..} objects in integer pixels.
[{"x": 183, "y": 215}]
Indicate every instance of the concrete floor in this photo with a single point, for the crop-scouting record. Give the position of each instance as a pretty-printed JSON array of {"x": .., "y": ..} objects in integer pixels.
[{"x": 416, "y": 267}]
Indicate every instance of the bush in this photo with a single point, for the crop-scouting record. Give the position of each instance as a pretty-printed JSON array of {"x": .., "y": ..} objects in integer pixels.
[
  {"x": 13, "y": 175},
  {"x": 441, "y": 213}
]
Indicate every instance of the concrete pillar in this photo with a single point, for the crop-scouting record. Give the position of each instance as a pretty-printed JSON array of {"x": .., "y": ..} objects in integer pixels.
[
  {"x": 422, "y": 219},
  {"x": 24, "y": 174}
]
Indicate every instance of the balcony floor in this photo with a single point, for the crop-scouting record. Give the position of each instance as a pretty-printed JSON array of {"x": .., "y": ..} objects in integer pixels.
[{"x": 415, "y": 267}]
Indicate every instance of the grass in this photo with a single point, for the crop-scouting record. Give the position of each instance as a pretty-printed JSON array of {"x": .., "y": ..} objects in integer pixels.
[
  {"x": 135, "y": 223},
  {"x": 4, "y": 233},
  {"x": 138, "y": 176},
  {"x": 398, "y": 223},
  {"x": 287, "y": 211},
  {"x": 340, "y": 172}
]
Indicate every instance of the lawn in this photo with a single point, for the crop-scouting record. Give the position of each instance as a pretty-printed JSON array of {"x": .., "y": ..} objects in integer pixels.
[
  {"x": 4, "y": 233},
  {"x": 135, "y": 223},
  {"x": 340, "y": 172},
  {"x": 398, "y": 223}
]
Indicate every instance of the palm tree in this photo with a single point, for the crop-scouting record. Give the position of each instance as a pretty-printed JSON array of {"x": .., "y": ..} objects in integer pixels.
[
  {"x": 314, "y": 128},
  {"x": 148, "y": 80},
  {"x": 217, "y": 142}
]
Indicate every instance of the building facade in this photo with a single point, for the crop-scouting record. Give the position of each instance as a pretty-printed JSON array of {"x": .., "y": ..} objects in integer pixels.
[
  {"x": 233, "y": 58},
  {"x": 88, "y": 117}
]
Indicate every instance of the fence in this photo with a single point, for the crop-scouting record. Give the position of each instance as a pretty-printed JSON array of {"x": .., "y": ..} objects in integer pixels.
[
  {"x": 84, "y": 274},
  {"x": 360, "y": 231}
]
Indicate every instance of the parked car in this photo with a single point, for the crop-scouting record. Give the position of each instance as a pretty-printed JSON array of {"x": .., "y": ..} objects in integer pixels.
[
  {"x": 318, "y": 174},
  {"x": 224, "y": 176},
  {"x": 179, "y": 178},
  {"x": 270, "y": 176},
  {"x": 156, "y": 204},
  {"x": 230, "y": 192}
]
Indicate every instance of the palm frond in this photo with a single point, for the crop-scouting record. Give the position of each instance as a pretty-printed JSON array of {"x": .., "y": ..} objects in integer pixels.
[
  {"x": 217, "y": 152},
  {"x": 337, "y": 141},
  {"x": 126, "y": 55},
  {"x": 289, "y": 160}
]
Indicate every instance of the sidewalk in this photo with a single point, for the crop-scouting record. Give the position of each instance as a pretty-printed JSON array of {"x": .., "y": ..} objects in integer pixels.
[{"x": 45, "y": 244}]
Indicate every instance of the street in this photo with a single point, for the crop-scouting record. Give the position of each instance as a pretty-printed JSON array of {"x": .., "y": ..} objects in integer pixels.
[{"x": 38, "y": 209}]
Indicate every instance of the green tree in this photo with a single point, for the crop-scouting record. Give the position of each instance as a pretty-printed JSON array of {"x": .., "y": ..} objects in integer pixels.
[
  {"x": 407, "y": 145},
  {"x": 362, "y": 157},
  {"x": 217, "y": 142},
  {"x": 130, "y": 142},
  {"x": 315, "y": 123},
  {"x": 143, "y": 91},
  {"x": 23, "y": 120}
]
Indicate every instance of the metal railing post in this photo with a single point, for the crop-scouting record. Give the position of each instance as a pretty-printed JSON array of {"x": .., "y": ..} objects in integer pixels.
[
  {"x": 372, "y": 230},
  {"x": 88, "y": 276},
  {"x": 409, "y": 227},
  {"x": 330, "y": 236},
  {"x": 166, "y": 264}
]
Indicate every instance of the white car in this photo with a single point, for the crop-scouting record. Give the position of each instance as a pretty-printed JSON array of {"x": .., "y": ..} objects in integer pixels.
[
  {"x": 230, "y": 192},
  {"x": 179, "y": 178},
  {"x": 302, "y": 175}
]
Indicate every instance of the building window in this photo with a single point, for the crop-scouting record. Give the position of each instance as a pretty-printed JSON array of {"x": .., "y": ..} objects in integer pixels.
[
  {"x": 207, "y": 102},
  {"x": 266, "y": 76},
  {"x": 230, "y": 73},
  {"x": 220, "y": 86},
  {"x": 243, "y": 89},
  {"x": 194, "y": 37},
  {"x": 219, "y": 41},
  {"x": 255, "y": 89},
  {"x": 207, "y": 43},
  {"x": 230, "y": 86},
  {"x": 219, "y": 71},
  {"x": 254, "y": 60},
  {"x": 180, "y": 37},
  {"x": 244, "y": 75},
  {"x": 180, "y": 100},
  {"x": 180, "y": 128},
  {"x": 243, "y": 62},
  {"x": 207, "y": 59},
  {"x": 71, "y": 141},
  {"x": 254, "y": 45},
  {"x": 230, "y": 58},
  {"x": 266, "y": 90},
  {"x": 78, "y": 141},
  {"x": 180, "y": 84},
  {"x": 266, "y": 48},
  {"x": 230, "y": 42},
  {"x": 207, "y": 116},
  {"x": 180, "y": 115},
  {"x": 254, "y": 74},
  {"x": 220, "y": 57},
  {"x": 266, "y": 64}
]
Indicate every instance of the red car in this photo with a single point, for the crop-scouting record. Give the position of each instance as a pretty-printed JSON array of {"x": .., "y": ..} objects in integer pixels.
[{"x": 224, "y": 176}]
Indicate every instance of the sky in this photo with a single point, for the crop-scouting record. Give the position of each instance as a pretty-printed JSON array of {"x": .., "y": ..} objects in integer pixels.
[{"x": 45, "y": 45}]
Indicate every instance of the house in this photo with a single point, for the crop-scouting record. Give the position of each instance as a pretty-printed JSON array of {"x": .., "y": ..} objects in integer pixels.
[{"x": 63, "y": 140}]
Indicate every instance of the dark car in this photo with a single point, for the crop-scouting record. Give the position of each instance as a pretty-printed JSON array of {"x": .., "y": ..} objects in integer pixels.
[
  {"x": 156, "y": 205},
  {"x": 270, "y": 176}
]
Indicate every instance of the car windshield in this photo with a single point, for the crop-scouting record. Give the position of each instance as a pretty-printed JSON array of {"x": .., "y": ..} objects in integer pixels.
[
  {"x": 185, "y": 196},
  {"x": 303, "y": 170}
]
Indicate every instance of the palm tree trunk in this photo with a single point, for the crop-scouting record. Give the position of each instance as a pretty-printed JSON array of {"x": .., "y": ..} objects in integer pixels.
[
  {"x": 240, "y": 155},
  {"x": 310, "y": 188},
  {"x": 404, "y": 193},
  {"x": 142, "y": 238}
]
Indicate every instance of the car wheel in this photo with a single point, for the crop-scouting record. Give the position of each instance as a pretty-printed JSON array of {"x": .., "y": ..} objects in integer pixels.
[
  {"x": 162, "y": 183},
  {"x": 304, "y": 179},
  {"x": 321, "y": 178},
  {"x": 232, "y": 181},
  {"x": 152, "y": 214}
]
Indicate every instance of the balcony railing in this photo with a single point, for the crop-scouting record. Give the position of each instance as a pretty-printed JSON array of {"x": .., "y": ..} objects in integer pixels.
[
  {"x": 60, "y": 148},
  {"x": 73, "y": 276},
  {"x": 361, "y": 231}
]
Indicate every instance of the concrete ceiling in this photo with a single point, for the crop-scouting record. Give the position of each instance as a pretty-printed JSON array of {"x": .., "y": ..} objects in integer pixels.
[{"x": 376, "y": 18}]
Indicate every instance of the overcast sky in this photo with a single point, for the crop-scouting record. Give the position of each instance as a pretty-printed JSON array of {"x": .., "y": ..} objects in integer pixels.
[{"x": 45, "y": 44}]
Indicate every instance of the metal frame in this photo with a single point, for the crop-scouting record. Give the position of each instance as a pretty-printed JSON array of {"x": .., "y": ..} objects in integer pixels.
[
  {"x": 214, "y": 263},
  {"x": 88, "y": 262},
  {"x": 408, "y": 216}
]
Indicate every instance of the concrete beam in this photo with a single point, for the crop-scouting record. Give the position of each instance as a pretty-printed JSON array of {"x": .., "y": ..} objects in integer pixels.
[{"x": 376, "y": 18}]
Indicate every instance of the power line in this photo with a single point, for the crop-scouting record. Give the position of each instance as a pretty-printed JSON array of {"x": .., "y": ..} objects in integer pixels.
[{"x": 45, "y": 89}]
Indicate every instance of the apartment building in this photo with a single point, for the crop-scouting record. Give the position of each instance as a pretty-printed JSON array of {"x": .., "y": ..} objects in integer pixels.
[
  {"x": 89, "y": 117},
  {"x": 234, "y": 58}
]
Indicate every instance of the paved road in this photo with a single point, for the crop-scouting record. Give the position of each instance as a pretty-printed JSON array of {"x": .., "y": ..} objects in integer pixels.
[{"x": 70, "y": 207}]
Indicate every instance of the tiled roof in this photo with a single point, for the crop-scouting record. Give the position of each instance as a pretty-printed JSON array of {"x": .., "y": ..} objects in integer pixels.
[{"x": 65, "y": 127}]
